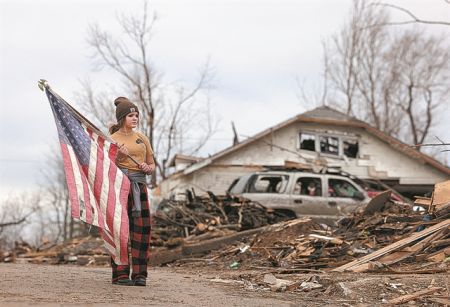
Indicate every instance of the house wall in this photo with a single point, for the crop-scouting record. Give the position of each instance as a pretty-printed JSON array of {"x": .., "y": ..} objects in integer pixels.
[
  {"x": 377, "y": 159},
  {"x": 214, "y": 178}
]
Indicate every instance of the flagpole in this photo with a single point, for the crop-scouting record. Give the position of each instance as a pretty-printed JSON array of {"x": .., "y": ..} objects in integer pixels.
[{"x": 43, "y": 86}]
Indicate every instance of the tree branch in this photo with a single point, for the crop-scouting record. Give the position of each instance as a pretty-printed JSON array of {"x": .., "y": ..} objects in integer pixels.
[
  {"x": 414, "y": 17},
  {"x": 13, "y": 223}
]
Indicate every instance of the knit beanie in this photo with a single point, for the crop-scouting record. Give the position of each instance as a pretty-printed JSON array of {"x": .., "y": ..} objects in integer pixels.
[{"x": 124, "y": 107}]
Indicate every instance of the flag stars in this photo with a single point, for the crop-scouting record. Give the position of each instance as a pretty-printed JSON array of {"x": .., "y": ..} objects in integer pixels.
[{"x": 71, "y": 131}]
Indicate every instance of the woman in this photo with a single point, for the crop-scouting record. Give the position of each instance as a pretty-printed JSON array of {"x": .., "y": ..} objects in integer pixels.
[{"x": 135, "y": 159}]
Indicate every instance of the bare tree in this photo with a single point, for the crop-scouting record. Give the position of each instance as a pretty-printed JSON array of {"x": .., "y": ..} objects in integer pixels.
[
  {"x": 342, "y": 57},
  {"x": 422, "y": 87},
  {"x": 385, "y": 77},
  {"x": 16, "y": 214},
  {"x": 54, "y": 217},
  {"x": 318, "y": 96},
  {"x": 174, "y": 117},
  {"x": 42, "y": 216},
  {"x": 57, "y": 201}
]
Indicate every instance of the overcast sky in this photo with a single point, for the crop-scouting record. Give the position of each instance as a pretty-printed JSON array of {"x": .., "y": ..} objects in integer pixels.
[{"x": 257, "y": 48}]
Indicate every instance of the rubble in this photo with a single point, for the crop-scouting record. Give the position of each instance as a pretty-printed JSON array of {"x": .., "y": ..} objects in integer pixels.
[
  {"x": 410, "y": 297},
  {"x": 237, "y": 234},
  {"x": 208, "y": 216},
  {"x": 197, "y": 226},
  {"x": 87, "y": 251},
  {"x": 383, "y": 236},
  {"x": 378, "y": 255}
]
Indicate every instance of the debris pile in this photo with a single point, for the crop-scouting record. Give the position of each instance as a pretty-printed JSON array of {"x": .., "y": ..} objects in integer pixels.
[
  {"x": 175, "y": 223},
  {"x": 234, "y": 233},
  {"x": 374, "y": 238},
  {"x": 330, "y": 289},
  {"x": 82, "y": 251},
  {"x": 20, "y": 248},
  {"x": 176, "y": 220}
]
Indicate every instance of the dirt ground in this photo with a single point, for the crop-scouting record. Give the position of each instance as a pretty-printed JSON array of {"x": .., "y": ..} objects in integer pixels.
[{"x": 28, "y": 284}]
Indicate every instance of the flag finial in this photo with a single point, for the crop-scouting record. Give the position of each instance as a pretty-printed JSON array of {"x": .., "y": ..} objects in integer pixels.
[{"x": 43, "y": 84}]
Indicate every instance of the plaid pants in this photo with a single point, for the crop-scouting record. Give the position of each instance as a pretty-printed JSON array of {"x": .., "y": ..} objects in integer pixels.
[{"x": 140, "y": 241}]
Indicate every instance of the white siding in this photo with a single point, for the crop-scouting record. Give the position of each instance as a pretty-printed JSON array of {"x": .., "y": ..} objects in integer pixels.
[{"x": 377, "y": 159}]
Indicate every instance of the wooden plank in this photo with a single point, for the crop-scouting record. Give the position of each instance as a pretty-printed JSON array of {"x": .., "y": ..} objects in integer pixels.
[
  {"x": 409, "y": 251},
  {"x": 423, "y": 202},
  {"x": 441, "y": 193},
  {"x": 326, "y": 238},
  {"x": 38, "y": 254},
  {"x": 423, "y": 198},
  {"x": 296, "y": 165},
  {"x": 163, "y": 256},
  {"x": 209, "y": 245},
  {"x": 409, "y": 297},
  {"x": 440, "y": 255},
  {"x": 392, "y": 247}
]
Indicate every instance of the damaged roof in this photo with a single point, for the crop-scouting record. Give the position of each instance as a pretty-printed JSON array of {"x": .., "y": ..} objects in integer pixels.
[
  {"x": 184, "y": 158},
  {"x": 329, "y": 116},
  {"x": 325, "y": 112}
]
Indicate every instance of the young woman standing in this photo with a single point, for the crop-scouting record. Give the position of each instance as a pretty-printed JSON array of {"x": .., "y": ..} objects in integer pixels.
[{"x": 135, "y": 159}]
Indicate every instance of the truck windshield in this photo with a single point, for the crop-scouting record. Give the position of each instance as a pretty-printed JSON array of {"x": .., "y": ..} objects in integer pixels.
[{"x": 268, "y": 183}]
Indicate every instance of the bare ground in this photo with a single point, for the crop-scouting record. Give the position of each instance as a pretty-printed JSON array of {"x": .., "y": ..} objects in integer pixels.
[{"x": 28, "y": 284}]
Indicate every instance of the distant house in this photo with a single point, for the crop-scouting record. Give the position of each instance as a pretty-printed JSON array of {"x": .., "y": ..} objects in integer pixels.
[{"x": 321, "y": 137}]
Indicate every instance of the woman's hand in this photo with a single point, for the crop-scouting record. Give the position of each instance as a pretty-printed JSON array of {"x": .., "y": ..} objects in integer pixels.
[
  {"x": 123, "y": 150},
  {"x": 147, "y": 168}
]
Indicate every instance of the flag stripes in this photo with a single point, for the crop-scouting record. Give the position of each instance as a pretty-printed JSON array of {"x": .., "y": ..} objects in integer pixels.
[{"x": 98, "y": 191}]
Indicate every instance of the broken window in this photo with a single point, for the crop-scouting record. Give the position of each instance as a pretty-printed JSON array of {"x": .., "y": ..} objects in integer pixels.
[
  {"x": 308, "y": 186},
  {"x": 307, "y": 141},
  {"x": 329, "y": 145},
  {"x": 350, "y": 148},
  {"x": 341, "y": 188},
  {"x": 268, "y": 184}
]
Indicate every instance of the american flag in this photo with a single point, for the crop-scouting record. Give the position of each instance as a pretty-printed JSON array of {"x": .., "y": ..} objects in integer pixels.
[{"x": 98, "y": 190}]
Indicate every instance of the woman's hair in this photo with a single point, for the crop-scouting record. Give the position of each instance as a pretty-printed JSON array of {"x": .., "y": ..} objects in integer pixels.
[{"x": 114, "y": 128}]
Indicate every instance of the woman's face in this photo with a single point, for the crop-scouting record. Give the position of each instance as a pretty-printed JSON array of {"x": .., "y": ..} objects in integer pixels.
[{"x": 131, "y": 120}]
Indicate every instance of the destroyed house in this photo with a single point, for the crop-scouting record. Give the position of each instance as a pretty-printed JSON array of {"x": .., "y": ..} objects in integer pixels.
[{"x": 322, "y": 137}]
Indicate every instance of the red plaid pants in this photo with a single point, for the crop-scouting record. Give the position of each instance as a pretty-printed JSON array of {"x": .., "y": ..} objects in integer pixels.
[{"x": 139, "y": 241}]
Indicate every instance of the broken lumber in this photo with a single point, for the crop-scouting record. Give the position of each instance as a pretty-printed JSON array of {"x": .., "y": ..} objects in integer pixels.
[
  {"x": 159, "y": 257},
  {"x": 409, "y": 297},
  {"x": 441, "y": 194},
  {"x": 422, "y": 201},
  {"x": 409, "y": 251},
  {"x": 216, "y": 243},
  {"x": 352, "y": 266},
  {"x": 336, "y": 241}
]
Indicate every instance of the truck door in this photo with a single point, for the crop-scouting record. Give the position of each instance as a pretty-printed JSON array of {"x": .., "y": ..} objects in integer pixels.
[
  {"x": 308, "y": 197},
  {"x": 342, "y": 193}
]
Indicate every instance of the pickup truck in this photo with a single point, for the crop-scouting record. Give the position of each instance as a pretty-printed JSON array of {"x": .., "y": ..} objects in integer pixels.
[{"x": 322, "y": 196}]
